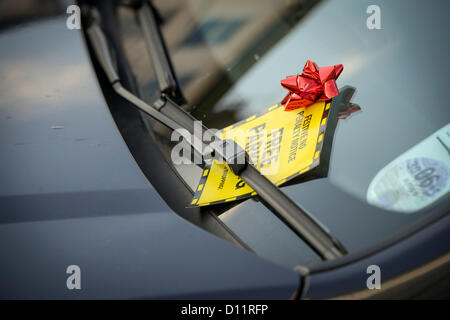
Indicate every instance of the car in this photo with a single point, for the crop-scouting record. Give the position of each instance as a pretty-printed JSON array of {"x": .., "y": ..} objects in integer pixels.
[{"x": 93, "y": 205}]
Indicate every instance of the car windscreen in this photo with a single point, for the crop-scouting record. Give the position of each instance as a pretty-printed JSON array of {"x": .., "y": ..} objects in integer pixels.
[{"x": 389, "y": 164}]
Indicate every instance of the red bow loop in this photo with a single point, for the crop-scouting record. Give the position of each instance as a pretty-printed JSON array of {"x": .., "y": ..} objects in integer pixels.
[{"x": 314, "y": 84}]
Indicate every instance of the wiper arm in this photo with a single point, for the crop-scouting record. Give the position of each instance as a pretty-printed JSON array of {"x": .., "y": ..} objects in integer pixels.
[
  {"x": 170, "y": 114},
  {"x": 101, "y": 49}
]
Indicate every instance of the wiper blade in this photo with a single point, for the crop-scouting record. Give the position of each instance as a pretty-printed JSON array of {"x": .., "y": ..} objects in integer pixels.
[
  {"x": 170, "y": 114},
  {"x": 157, "y": 50}
]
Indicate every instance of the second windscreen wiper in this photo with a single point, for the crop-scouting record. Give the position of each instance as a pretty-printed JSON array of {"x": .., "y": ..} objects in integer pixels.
[{"x": 157, "y": 50}]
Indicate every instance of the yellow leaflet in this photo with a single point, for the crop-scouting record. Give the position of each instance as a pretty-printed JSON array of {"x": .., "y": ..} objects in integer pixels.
[{"x": 281, "y": 144}]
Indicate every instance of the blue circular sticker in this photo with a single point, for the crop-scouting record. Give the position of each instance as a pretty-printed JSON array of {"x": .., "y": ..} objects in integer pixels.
[{"x": 409, "y": 185}]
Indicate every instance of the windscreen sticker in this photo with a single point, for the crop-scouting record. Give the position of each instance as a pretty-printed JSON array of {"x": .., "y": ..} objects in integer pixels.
[
  {"x": 282, "y": 145},
  {"x": 415, "y": 179}
]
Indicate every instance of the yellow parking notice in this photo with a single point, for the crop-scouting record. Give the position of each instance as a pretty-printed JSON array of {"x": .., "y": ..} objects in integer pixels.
[{"x": 281, "y": 144}]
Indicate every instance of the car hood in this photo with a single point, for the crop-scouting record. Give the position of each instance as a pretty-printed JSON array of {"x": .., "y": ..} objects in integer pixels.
[{"x": 72, "y": 194}]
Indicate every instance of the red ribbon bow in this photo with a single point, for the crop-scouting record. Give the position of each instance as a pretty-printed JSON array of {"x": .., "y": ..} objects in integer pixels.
[{"x": 314, "y": 84}]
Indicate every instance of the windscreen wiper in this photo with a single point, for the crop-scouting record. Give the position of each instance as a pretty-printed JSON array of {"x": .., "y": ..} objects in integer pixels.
[
  {"x": 157, "y": 50},
  {"x": 167, "y": 112}
]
